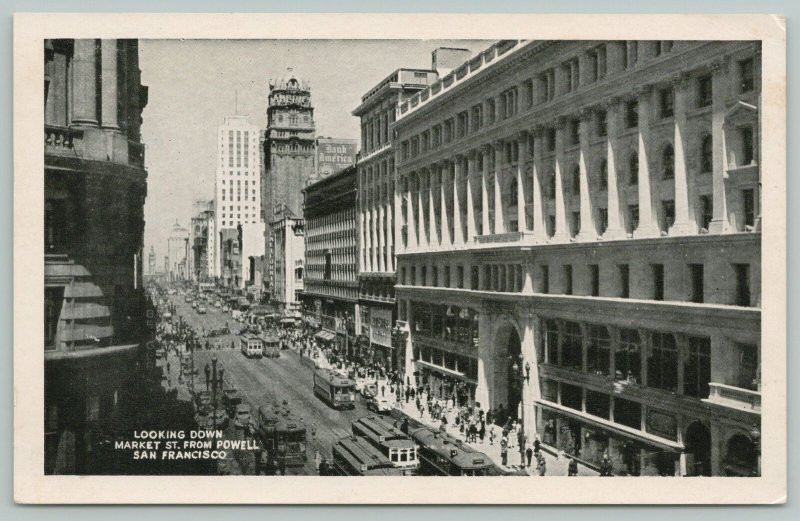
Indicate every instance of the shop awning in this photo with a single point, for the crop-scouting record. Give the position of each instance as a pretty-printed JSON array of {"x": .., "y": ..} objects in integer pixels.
[
  {"x": 325, "y": 336},
  {"x": 600, "y": 423},
  {"x": 287, "y": 320}
]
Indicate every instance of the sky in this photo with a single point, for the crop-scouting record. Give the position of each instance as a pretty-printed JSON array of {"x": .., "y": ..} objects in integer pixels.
[{"x": 193, "y": 85}]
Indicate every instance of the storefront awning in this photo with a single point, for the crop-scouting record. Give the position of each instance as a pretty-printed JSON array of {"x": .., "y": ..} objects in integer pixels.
[
  {"x": 287, "y": 320},
  {"x": 600, "y": 423},
  {"x": 325, "y": 336}
]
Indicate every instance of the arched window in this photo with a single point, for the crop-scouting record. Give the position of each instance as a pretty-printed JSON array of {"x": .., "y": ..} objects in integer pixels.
[
  {"x": 707, "y": 154},
  {"x": 602, "y": 174},
  {"x": 668, "y": 162},
  {"x": 633, "y": 168}
]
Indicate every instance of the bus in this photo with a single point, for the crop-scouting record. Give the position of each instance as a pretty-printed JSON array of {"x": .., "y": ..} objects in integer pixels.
[
  {"x": 354, "y": 456},
  {"x": 337, "y": 390},
  {"x": 251, "y": 346},
  {"x": 390, "y": 441},
  {"x": 441, "y": 454},
  {"x": 282, "y": 435}
]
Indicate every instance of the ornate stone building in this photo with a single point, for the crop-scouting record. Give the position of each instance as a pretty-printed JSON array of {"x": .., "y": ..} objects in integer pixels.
[
  {"x": 95, "y": 185},
  {"x": 288, "y": 155},
  {"x": 578, "y": 241}
]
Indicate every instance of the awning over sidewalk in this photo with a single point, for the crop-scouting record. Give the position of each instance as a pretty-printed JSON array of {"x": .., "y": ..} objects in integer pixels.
[{"x": 325, "y": 336}]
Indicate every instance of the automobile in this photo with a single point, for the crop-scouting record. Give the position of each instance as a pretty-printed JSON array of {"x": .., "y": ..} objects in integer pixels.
[
  {"x": 242, "y": 418},
  {"x": 225, "y": 308},
  {"x": 379, "y": 405},
  {"x": 231, "y": 399},
  {"x": 217, "y": 304},
  {"x": 194, "y": 304},
  {"x": 188, "y": 298},
  {"x": 370, "y": 390},
  {"x": 201, "y": 309}
]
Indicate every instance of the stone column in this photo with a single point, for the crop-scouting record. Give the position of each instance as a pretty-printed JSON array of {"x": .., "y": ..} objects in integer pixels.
[
  {"x": 588, "y": 232},
  {"x": 444, "y": 178},
  {"x": 562, "y": 230},
  {"x": 683, "y": 224},
  {"x": 648, "y": 226},
  {"x": 380, "y": 211},
  {"x": 485, "y": 362},
  {"x": 719, "y": 89},
  {"x": 539, "y": 227},
  {"x": 108, "y": 60},
  {"x": 471, "y": 222},
  {"x": 433, "y": 236},
  {"x": 411, "y": 222},
  {"x": 615, "y": 229},
  {"x": 485, "y": 191},
  {"x": 422, "y": 240},
  {"x": 530, "y": 385},
  {"x": 458, "y": 230},
  {"x": 522, "y": 221},
  {"x": 499, "y": 209},
  {"x": 84, "y": 70}
]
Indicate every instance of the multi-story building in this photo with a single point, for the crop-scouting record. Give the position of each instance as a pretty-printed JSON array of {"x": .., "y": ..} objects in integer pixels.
[
  {"x": 288, "y": 155},
  {"x": 579, "y": 245},
  {"x": 95, "y": 185},
  {"x": 178, "y": 252},
  {"x": 151, "y": 262},
  {"x": 230, "y": 251},
  {"x": 202, "y": 241},
  {"x": 330, "y": 280},
  {"x": 289, "y": 247},
  {"x": 238, "y": 187},
  {"x": 376, "y": 231}
]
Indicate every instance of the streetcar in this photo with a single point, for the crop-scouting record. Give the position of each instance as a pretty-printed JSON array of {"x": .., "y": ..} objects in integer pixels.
[
  {"x": 390, "y": 441},
  {"x": 272, "y": 347},
  {"x": 283, "y": 435},
  {"x": 353, "y": 456},
  {"x": 441, "y": 454},
  {"x": 251, "y": 346},
  {"x": 336, "y": 390}
]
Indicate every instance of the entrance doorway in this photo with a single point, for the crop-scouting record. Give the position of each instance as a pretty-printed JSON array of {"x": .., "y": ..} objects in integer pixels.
[{"x": 698, "y": 450}]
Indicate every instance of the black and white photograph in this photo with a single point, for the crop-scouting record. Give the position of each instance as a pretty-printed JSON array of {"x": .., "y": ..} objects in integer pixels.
[{"x": 405, "y": 257}]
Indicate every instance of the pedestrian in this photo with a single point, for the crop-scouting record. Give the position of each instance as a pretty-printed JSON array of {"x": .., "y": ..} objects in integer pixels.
[
  {"x": 522, "y": 457},
  {"x": 537, "y": 444},
  {"x": 529, "y": 455},
  {"x": 482, "y": 430},
  {"x": 605, "y": 467},
  {"x": 383, "y": 391},
  {"x": 408, "y": 394},
  {"x": 541, "y": 464},
  {"x": 491, "y": 434},
  {"x": 421, "y": 410},
  {"x": 317, "y": 460},
  {"x": 504, "y": 456},
  {"x": 444, "y": 422},
  {"x": 572, "y": 469},
  {"x": 167, "y": 367}
]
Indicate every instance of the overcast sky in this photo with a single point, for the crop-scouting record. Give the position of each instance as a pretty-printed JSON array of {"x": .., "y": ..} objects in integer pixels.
[{"x": 192, "y": 87}]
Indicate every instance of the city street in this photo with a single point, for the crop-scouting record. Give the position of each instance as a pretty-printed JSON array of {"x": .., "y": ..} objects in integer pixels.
[{"x": 261, "y": 381}]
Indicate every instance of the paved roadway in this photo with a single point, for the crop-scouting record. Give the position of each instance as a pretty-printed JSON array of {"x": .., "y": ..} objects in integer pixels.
[{"x": 261, "y": 381}]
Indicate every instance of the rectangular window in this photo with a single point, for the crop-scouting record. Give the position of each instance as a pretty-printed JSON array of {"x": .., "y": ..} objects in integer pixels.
[
  {"x": 668, "y": 214},
  {"x": 551, "y": 139},
  {"x": 591, "y": 59},
  {"x": 545, "y": 279},
  {"x": 628, "y": 413},
  {"x": 528, "y": 93},
  {"x": 602, "y": 123},
  {"x": 460, "y": 277},
  {"x": 474, "y": 279},
  {"x": 598, "y": 352},
  {"x": 574, "y": 131},
  {"x": 633, "y": 217},
  {"x": 697, "y": 367},
  {"x": 624, "y": 281},
  {"x": 746, "y": 135},
  {"x": 742, "y": 284},
  {"x": 424, "y": 275},
  {"x": 598, "y": 404},
  {"x": 491, "y": 115},
  {"x": 749, "y": 207},
  {"x": 603, "y": 219},
  {"x": 697, "y": 289},
  {"x": 704, "y": 90},
  {"x": 666, "y": 99},
  {"x": 747, "y": 75},
  {"x": 707, "y": 211},
  {"x": 747, "y": 377},
  {"x": 628, "y": 357},
  {"x": 575, "y": 221},
  {"x": 594, "y": 279},
  {"x": 53, "y": 300},
  {"x": 571, "y": 396},
  {"x": 662, "y": 362},
  {"x": 658, "y": 281},
  {"x": 446, "y": 281},
  {"x": 632, "y": 114},
  {"x": 551, "y": 340},
  {"x": 568, "y": 279}
]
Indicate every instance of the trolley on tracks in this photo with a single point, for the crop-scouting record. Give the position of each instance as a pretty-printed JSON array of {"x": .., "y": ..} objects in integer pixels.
[
  {"x": 441, "y": 454},
  {"x": 353, "y": 456},
  {"x": 395, "y": 445}
]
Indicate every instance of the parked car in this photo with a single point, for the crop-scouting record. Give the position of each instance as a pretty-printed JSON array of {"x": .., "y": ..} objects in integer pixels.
[
  {"x": 379, "y": 405},
  {"x": 201, "y": 309}
]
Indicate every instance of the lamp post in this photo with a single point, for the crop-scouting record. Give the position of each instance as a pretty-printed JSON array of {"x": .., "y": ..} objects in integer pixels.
[
  {"x": 215, "y": 381},
  {"x": 755, "y": 435}
]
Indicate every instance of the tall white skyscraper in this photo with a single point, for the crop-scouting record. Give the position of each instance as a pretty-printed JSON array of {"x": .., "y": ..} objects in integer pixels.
[{"x": 237, "y": 191}]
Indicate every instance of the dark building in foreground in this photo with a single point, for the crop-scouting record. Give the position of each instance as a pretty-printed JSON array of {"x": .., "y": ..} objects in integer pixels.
[
  {"x": 95, "y": 187},
  {"x": 330, "y": 294}
]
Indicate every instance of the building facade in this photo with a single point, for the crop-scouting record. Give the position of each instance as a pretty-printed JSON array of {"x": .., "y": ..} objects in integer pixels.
[
  {"x": 95, "y": 186},
  {"x": 202, "y": 242},
  {"x": 238, "y": 182},
  {"x": 330, "y": 292},
  {"x": 289, "y": 155},
  {"x": 178, "y": 253},
  {"x": 289, "y": 245},
  {"x": 376, "y": 231},
  {"x": 578, "y": 244}
]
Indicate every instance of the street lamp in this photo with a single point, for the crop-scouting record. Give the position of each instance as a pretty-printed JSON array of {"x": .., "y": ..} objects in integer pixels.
[{"x": 755, "y": 435}]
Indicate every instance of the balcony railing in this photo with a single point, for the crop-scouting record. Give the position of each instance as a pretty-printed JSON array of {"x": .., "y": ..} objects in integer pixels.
[
  {"x": 60, "y": 140},
  {"x": 735, "y": 397},
  {"x": 499, "y": 237}
]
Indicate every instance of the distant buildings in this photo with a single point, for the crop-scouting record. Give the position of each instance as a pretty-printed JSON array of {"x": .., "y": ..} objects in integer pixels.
[
  {"x": 95, "y": 186},
  {"x": 289, "y": 248},
  {"x": 202, "y": 242},
  {"x": 178, "y": 253}
]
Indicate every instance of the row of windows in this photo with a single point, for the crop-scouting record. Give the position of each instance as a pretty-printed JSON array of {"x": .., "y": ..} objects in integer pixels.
[{"x": 510, "y": 278}]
